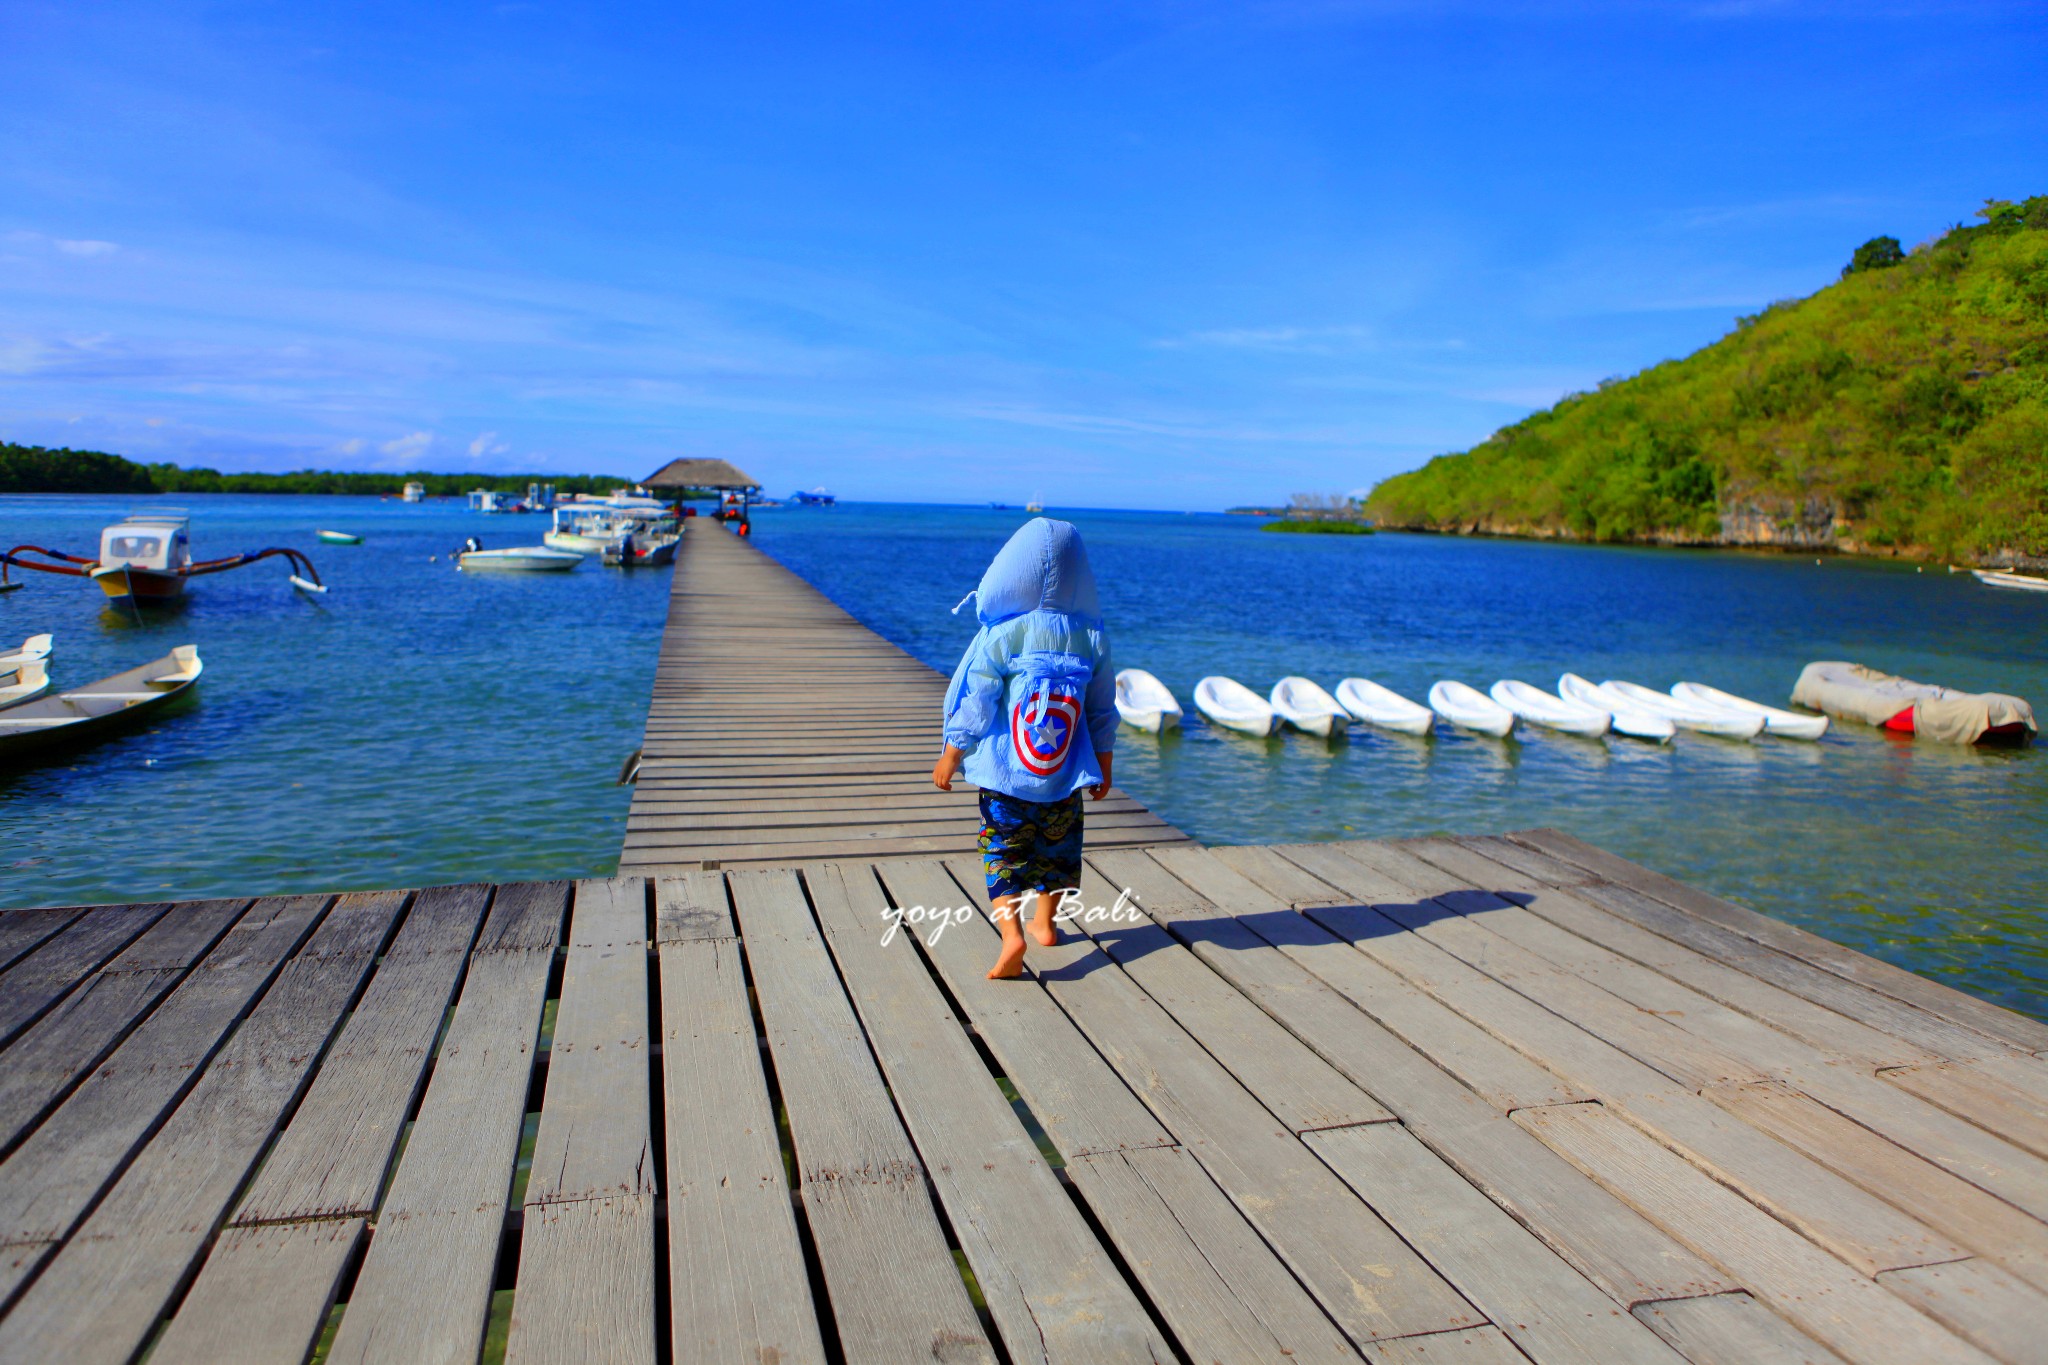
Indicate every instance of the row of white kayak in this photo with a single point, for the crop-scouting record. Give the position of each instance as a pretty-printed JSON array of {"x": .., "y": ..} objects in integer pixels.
[{"x": 1578, "y": 707}]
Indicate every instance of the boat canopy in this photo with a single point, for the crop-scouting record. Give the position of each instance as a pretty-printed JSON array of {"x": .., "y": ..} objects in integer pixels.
[{"x": 147, "y": 540}]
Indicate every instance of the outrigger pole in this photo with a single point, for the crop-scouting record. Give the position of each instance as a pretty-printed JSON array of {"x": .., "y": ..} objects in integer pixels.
[{"x": 80, "y": 566}]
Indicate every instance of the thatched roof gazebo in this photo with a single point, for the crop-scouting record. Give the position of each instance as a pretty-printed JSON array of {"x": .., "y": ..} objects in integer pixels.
[{"x": 715, "y": 474}]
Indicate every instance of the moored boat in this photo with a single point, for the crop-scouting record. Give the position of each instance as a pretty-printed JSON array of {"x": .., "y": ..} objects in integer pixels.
[
  {"x": 523, "y": 558},
  {"x": 33, "y": 648},
  {"x": 1855, "y": 692},
  {"x": 1145, "y": 703},
  {"x": 148, "y": 559},
  {"x": 1626, "y": 717},
  {"x": 1787, "y": 724},
  {"x": 1470, "y": 709},
  {"x": 1303, "y": 704},
  {"x": 2005, "y": 578},
  {"x": 1373, "y": 704},
  {"x": 1232, "y": 705},
  {"x": 98, "y": 708},
  {"x": 1699, "y": 717},
  {"x": 339, "y": 538},
  {"x": 29, "y": 680},
  {"x": 415, "y": 491},
  {"x": 1532, "y": 704}
]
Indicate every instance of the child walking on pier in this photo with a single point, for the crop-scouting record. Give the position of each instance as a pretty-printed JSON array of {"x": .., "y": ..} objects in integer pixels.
[{"x": 1031, "y": 720}]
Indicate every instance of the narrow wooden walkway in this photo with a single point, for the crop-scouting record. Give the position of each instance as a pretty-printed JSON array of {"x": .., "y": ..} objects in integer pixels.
[
  {"x": 1480, "y": 1100},
  {"x": 782, "y": 729}
]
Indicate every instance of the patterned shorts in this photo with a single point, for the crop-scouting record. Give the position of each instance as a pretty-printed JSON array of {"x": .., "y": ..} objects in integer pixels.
[{"x": 1030, "y": 845}]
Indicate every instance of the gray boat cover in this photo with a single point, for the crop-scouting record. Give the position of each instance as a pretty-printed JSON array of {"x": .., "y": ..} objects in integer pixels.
[{"x": 1941, "y": 713}]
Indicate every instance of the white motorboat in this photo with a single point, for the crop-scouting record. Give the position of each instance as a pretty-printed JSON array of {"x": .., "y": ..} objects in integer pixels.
[
  {"x": 1367, "y": 701},
  {"x": 1532, "y": 704},
  {"x": 35, "y": 647},
  {"x": 1470, "y": 709},
  {"x": 1232, "y": 705},
  {"x": 2003, "y": 578},
  {"x": 527, "y": 558},
  {"x": 30, "y": 679},
  {"x": 1787, "y": 724},
  {"x": 1690, "y": 715},
  {"x": 1628, "y": 718},
  {"x": 1145, "y": 703},
  {"x": 1300, "y": 702}
]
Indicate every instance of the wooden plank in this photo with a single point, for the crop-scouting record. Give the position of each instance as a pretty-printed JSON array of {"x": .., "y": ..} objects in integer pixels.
[
  {"x": 894, "y": 1291},
  {"x": 103, "y": 1295},
  {"x": 57, "y": 1051},
  {"x": 1980, "y": 1221},
  {"x": 1542, "y": 1304},
  {"x": 234, "y": 1314},
  {"x": 1479, "y": 1346},
  {"x": 1053, "y": 1292},
  {"x": 1825, "y": 1298},
  {"x": 2017, "y": 1116},
  {"x": 332, "y": 1158},
  {"x": 21, "y": 931},
  {"x": 1275, "y": 956},
  {"x": 738, "y": 1288},
  {"x": 585, "y": 1289},
  {"x": 1625, "y": 1055},
  {"x": 1732, "y": 1329},
  {"x": 53, "y": 1179},
  {"x": 1942, "y": 1001},
  {"x": 1979, "y": 1301},
  {"x": 43, "y": 975},
  {"x": 424, "y": 1291}
]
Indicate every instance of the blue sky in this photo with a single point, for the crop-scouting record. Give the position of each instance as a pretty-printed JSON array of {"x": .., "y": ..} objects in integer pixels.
[{"x": 1165, "y": 255}]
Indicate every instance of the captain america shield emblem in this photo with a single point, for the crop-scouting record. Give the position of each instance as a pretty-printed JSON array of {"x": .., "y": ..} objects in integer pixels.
[{"x": 1042, "y": 730}]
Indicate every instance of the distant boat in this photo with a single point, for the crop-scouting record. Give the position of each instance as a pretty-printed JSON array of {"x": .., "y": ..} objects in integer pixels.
[
  {"x": 415, "y": 491},
  {"x": 1367, "y": 701},
  {"x": 525, "y": 558},
  {"x": 817, "y": 497},
  {"x": 97, "y": 708},
  {"x": 1470, "y": 709},
  {"x": 2002, "y": 578},
  {"x": 339, "y": 537},
  {"x": 1232, "y": 705},
  {"x": 1300, "y": 702},
  {"x": 1037, "y": 503},
  {"x": 1145, "y": 703}
]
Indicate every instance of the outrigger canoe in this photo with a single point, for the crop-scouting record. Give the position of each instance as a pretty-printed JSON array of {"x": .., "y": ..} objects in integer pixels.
[
  {"x": 1232, "y": 705},
  {"x": 1367, "y": 701},
  {"x": 97, "y": 709},
  {"x": 1301, "y": 703},
  {"x": 1145, "y": 703}
]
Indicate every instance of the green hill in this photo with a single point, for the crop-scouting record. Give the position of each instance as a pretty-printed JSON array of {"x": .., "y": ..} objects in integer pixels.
[{"x": 1901, "y": 410}]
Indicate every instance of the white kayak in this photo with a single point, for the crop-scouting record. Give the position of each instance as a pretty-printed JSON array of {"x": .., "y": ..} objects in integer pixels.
[
  {"x": 1303, "y": 704},
  {"x": 1144, "y": 702},
  {"x": 1532, "y": 704},
  {"x": 528, "y": 558},
  {"x": 1691, "y": 715},
  {"x": 1629, "y": 719},
  {"x": 1366, "y": 700},
  {"x": 1788, "y": 724},
  {"x": 34, "y": 648},
  {"x": 1232, "y": 705},
  {"x": 1470, "y": 709}
]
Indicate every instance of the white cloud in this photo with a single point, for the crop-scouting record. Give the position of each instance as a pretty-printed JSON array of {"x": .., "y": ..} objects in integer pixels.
[
  {"x": 352, "y": 446},
  {"x": 486, "y": 443},
  {"x": 84, "y": 247},
  {"x": 410, "y": 446}
]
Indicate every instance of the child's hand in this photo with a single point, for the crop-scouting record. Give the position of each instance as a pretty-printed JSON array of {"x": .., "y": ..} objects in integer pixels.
[
  {"x": 945, "y": 768},
  {"x": 1101, "y": 789}
]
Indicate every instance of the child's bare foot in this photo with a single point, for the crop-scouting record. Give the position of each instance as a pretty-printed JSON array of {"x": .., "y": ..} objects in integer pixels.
[
  {"x": 1045, "y": 933},
  {"x": 1010, "y": 963}
]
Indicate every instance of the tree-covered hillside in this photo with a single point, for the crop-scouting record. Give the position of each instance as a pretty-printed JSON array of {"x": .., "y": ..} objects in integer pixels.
[
  {"x": 1901, "y": 410},
  {"x": 38, "y": 469}
]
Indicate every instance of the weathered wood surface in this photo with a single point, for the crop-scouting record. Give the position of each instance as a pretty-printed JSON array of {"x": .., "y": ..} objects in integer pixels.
[
  {"x": 1474, "y": 1100},
  {"x": 782, "y": 730}
]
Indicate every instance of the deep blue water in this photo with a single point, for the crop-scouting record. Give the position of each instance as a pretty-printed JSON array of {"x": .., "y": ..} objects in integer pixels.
[{"x": 420, "y": 725}]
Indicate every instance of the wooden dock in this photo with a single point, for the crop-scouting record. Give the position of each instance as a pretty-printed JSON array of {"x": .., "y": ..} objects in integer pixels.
[
  {"x": 783, "y": 729},
  {"x": 1480, "y": 1100}
]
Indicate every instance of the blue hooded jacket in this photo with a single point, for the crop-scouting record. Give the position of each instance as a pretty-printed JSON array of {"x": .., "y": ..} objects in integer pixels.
[{"x": 1034, "y": 698}]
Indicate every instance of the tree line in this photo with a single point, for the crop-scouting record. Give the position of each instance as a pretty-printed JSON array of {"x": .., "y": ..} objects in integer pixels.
[{"x": 40, "y": 469}]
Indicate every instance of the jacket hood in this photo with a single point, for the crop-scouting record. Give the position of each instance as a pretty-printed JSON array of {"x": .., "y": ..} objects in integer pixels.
[{"x": 1044, "y": 567}]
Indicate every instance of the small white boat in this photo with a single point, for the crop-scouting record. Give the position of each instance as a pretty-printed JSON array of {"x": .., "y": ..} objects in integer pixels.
[
  {"x": 1629, "y": 719},
  {"x": 528, "y": 558},
  {"x": 1532, "y": 704},
  {"x": 1232, "y": 705},
  {"x": 1145, "y": 703},
  {"x": 2005, "y": 578},
  {"x": 1300, "y": 702},
  {"x": 1367, "y": 701},
  {"x": 73, "y": 717},
  {"x": 1470, "y": 709},
  {"x": 34, "y": 648},
  {"x": 1788, "y": 724},
  {"x": 30, "y": 679},
  {"x": 1691, "y": 715}
]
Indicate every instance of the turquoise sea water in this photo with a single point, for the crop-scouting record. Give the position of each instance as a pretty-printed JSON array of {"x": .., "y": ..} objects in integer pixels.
[{"x": 420, "y": 725}]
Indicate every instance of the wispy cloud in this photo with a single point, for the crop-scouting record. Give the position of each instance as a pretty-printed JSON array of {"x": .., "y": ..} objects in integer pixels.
[
  {"x": 486, "y": 444},
  {"x": 84, "y": 246},
  {"x": 408, "y": 447}
]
